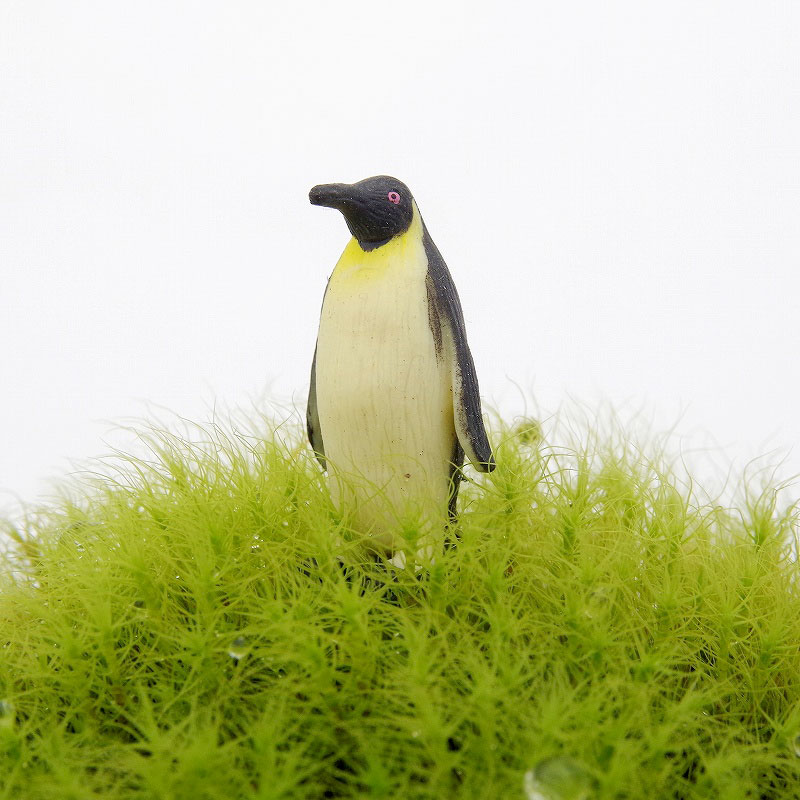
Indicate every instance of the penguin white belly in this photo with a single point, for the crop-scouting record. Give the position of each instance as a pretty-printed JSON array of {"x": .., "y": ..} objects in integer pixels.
[{"x": 384, "y": 398}]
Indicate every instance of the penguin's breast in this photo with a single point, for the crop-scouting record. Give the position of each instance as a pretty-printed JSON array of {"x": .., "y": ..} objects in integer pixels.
[{"x": 384, "y": 396}]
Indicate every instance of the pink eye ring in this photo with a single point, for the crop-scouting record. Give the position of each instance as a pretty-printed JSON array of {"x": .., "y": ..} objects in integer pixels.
[{"x": 393, "y": 197}]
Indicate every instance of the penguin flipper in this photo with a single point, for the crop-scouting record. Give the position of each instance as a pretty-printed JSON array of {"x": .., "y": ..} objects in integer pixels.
[
  {"x": 450, "y": 337},
  {"x": 312, "y": 416}
]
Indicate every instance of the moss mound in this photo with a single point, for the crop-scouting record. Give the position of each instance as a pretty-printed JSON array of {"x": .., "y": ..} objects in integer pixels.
[{"x": 200, "y": 623}]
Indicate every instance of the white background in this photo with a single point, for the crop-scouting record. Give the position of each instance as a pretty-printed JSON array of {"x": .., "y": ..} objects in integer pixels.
[{"x": 615, "y": 187}]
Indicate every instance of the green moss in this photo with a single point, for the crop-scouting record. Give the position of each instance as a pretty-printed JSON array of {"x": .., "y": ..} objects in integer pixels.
[{"x": 201, "y": 623}]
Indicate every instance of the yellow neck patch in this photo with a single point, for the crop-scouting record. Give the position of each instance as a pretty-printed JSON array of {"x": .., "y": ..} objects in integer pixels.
[{"x": 356, "y": 264}]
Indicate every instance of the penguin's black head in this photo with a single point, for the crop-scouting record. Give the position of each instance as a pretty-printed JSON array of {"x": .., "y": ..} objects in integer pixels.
[{"x": 375, "y": 209}]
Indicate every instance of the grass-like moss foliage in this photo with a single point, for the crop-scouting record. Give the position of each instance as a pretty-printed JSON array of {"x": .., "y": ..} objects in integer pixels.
[{"x": 201, "y": 623}]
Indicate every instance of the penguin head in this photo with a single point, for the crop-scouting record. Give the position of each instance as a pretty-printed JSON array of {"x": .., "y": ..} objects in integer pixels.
[{"x": 375, "y": 209}]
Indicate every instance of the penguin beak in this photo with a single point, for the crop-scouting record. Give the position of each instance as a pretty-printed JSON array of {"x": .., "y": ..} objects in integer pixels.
[{"x": 331, "y": 195}]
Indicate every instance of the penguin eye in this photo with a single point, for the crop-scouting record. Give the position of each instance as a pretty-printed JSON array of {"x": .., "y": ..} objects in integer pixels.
[{"x": 393, "y": 197}]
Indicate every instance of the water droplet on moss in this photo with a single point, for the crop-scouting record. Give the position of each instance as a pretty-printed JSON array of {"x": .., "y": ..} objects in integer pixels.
[
  {"x": 239, "y": 648},
  {"x": 7, "y": 715},
  {"x": 557, "y": 779}
]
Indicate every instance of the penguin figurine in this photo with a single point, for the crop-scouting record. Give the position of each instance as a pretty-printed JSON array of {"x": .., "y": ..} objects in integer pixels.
[{"x": 393, "y": 405}]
